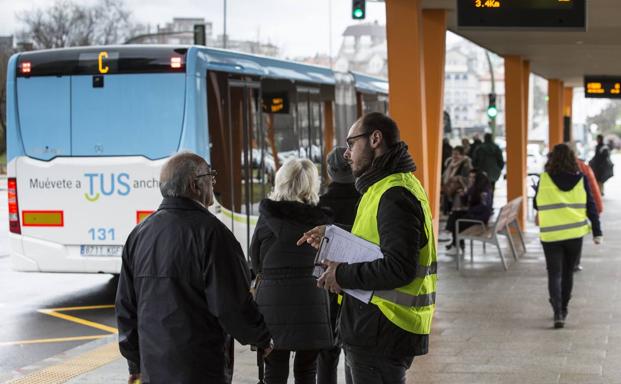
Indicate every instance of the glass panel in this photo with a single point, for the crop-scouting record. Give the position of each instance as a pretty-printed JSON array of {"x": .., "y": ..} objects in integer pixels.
[
  {"x": 261, "y": 174},
  {"x": 316, "y": 134},
  {"x": 282, "y": 138},
  {"x": 303, "y": 124}
]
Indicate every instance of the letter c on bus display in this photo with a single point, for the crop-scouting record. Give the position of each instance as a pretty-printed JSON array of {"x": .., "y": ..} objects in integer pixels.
[{"x": 103, "y": 69}]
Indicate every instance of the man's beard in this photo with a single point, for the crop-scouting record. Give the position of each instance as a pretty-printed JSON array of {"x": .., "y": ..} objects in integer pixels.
[{"x": 365, "y": 162}]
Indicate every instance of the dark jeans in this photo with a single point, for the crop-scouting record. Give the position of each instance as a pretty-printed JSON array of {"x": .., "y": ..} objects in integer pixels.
[
  {"x": 304, "y": 367},
  {"x": 369, "y": 369},
  {"x": 451, "y": 223},
  {"x": 327, "y": 365},
  {"x": 561, "y": 259}
]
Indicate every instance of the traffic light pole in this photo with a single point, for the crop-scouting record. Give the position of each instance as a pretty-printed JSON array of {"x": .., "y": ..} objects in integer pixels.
[{"x": 492, "y": 120}]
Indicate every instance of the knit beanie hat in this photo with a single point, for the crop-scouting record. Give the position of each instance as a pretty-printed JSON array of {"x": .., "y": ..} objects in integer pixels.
[{"x": 339, "y": 169}]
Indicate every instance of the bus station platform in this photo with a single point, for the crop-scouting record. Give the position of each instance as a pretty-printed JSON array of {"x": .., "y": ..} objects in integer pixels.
[{"x": 491, "y": 325}]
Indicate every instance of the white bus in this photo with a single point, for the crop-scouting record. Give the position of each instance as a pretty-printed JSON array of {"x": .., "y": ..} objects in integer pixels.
[{"x": 89, "y": 129}]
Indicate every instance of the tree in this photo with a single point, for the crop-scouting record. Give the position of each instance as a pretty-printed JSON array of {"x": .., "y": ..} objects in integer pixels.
[
  {"x": 608, "y": 119},
  {"x": 68, "y": 24},
  {"x": 65, "y": 24}
]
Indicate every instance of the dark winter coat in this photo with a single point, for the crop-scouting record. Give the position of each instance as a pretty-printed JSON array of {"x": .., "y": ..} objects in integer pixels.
[
  {"x": 488, "y": 158},
  {"x": 479, "y": 204},
  {"x": 602, "y": 165},
  {"x": 473, "y": 147},
  {"x": 342, "y": 199},
  {"x": 295, "y": 310},
  {"x": 566, "y": 182},
  {"x": 184, "y": 284}
]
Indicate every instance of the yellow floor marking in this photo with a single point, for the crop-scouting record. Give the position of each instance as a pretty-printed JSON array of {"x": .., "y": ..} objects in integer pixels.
[
  {"x": 78, "y": 320},
  {"x": 55, "y": 312},
  {"x": 88, "y": 307},
  {"x": 74, "y": 367},
  {"x": 54, "y": 340}
]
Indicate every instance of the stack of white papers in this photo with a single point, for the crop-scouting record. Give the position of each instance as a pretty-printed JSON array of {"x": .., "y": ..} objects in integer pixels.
[{"x": 341, "y": 246}]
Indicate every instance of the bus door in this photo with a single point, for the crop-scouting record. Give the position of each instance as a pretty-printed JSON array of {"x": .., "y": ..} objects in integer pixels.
[
  {"x": 247, "y": 150},
  {"x": 309, "y": 118}
]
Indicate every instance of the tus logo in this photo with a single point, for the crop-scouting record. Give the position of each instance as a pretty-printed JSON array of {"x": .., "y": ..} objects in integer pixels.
[{"x": 107, "y": 185}]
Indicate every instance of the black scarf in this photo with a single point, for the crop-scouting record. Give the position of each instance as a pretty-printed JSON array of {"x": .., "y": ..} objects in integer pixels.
[{"x": 396, "y": 160}]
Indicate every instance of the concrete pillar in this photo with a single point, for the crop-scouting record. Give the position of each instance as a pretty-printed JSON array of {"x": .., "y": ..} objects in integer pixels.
[
  {"x": 515, "y": 106},
  {"x": 555, "y": 112},
  {"x": 407, "y": 80},
  {"x": 434, "y": 49},
  {"x": 526, "y": 88}
]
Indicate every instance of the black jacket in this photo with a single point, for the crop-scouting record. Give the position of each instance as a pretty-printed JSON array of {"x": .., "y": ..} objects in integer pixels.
[
  {"x": 567, "y": 182},
  {"x": 342, "y": 199},
  {"x": 184, "y": 284},
  {"x": 363, "y": 327},
  {"x": 488, "y": 158},
  {"x": 602, "y": 166},
  {"x": 295, "y": 310}
]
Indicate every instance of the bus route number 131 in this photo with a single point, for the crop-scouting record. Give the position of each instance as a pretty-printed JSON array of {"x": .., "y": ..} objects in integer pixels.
[{"x": 102, "y": 234}]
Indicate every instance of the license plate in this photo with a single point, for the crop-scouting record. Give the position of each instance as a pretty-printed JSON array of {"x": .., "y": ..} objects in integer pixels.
[{"x": 101, "y": 250}]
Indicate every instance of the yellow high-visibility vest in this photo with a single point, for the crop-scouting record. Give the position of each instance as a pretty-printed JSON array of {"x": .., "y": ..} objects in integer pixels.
[
  {"x": 410, "y": 307},
  {"x": 562, "y": 214}
]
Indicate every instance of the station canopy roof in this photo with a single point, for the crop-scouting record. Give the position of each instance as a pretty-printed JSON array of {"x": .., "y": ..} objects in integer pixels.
[{"x": 555, "y": 54}]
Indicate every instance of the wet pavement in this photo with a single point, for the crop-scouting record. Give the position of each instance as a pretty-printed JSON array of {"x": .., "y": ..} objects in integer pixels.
[{"x": 491, "y": 325}]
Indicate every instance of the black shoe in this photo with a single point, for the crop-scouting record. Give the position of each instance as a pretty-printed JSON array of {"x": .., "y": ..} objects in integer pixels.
[
  {"x": 449, "y": 246},
  {"x": 559, "y": 321}
]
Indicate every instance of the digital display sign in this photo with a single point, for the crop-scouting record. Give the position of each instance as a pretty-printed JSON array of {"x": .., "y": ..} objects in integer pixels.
[
  {"x": 604, "y": 87},
  {"x": 276, "y": 102},
  {"x": 104, "y": 61},
  {"x": 533, "y": 14}
]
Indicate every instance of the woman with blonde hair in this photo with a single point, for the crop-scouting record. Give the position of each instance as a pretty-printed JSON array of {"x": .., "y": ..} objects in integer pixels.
[{"x": 295, "y": 310}]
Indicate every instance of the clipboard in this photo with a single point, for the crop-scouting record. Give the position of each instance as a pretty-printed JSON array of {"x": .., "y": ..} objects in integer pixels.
[{"x": 341, "y": 246}]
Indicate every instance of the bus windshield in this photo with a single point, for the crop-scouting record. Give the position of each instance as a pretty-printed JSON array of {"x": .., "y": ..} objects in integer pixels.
[{"x": 109, "y": 108}]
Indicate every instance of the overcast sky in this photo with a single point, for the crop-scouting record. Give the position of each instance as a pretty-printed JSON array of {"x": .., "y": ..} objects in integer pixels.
[{"x": 298, "y": 27}]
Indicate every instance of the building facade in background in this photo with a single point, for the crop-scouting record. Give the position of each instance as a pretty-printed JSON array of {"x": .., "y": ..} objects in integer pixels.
[
  {"x": 180, "y": 31},
  {"x": 364, "y": 50}
]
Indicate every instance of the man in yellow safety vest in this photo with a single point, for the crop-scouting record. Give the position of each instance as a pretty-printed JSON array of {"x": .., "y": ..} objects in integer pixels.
[{"x": 382, "y": 337}]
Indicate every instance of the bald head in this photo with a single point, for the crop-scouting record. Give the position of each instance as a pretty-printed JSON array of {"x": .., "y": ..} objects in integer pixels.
[{"x": 178, "y": 174}]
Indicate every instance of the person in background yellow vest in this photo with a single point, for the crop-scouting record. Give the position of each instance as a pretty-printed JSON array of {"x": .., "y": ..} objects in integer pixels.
[
  {"x": 381, "y": 338},
  {"x": 564, "y": 202}
]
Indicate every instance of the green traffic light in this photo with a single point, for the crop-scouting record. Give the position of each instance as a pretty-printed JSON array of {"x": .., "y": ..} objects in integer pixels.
[
  {"x": 492, "y": 112},
  {"x": 358, "y": 13}
]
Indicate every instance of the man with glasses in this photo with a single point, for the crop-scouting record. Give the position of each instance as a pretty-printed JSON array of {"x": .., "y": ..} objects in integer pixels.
[
  {"x": 382, "y": 337},
  {"x": 184, "y": 286}
]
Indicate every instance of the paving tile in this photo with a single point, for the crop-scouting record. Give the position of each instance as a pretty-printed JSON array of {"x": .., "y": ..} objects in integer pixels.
[
  {"x": 496, "y": 327},
  {"x": 570, "y": 378}
]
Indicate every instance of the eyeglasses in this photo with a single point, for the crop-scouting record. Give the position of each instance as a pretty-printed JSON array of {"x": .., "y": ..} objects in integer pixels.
[
  {"x": 350, "y": 140},
  {"x": 211, "y": 173}
]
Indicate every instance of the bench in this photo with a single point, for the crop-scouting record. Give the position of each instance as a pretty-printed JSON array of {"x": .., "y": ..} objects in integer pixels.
[{"x": 505, "y": 222}]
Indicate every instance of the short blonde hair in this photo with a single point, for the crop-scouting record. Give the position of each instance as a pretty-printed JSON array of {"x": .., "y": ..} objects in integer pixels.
[{"x": 297, "y": 180}]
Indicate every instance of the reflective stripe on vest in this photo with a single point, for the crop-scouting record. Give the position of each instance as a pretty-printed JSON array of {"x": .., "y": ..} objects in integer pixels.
[
  {"x": 410, "y": 307},
  {"x": 562, "y": 214}
]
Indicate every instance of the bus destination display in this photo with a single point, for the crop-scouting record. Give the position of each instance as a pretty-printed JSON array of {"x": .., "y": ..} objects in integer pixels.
[
  {"x": 604, "y": 87},
  {"x": 534, "y": 14}
]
